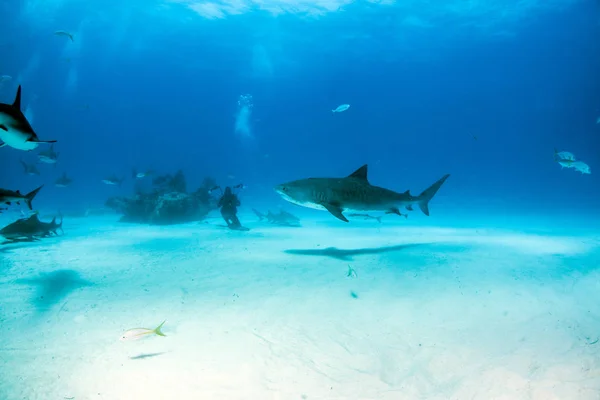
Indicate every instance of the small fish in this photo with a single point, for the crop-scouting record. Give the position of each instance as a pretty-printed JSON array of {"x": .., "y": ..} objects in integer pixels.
[
  {"x": 139, "y": 333},
  {"x": 113, "y": 180},
  {"x": 563, "y": 156},
  {"x": 581, "y": 167},
  {"x": 341, "y": 108},
  {"x": 351, "y": 272},
  {"x": 366, "y": 216},
  {"x": 66, "y": 34},
  {"x": 141, "y": 174},
  {"x": 5, "y": 78}
]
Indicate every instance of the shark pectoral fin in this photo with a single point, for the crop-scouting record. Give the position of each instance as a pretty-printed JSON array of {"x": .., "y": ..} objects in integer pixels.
[
  {"x": 2, "y": 145},
  {"x": 4, "y": 128},
  {"x": 336, "y": 211},
  {"x": 394, "y": 211}
]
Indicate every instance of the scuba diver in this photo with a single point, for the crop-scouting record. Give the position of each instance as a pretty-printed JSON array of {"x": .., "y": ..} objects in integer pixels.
[{"x": 228, "y": 203}]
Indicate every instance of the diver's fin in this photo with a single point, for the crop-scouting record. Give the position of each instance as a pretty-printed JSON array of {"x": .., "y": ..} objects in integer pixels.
[{"x": 335, "y": 211}]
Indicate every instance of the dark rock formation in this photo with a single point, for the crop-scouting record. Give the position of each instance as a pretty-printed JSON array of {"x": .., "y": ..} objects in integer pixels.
[{"x": 167, "y": 203}]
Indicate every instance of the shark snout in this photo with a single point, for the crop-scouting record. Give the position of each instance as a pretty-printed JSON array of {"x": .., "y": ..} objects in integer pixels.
[{"x": 279, "y": 189}]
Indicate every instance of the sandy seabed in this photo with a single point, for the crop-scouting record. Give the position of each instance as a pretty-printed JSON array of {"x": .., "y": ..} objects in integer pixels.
[{"x": 435, "y": 313}]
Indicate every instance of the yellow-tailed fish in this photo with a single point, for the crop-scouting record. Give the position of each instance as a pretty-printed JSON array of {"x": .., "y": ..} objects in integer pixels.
[{"x": 139, "y": 333}]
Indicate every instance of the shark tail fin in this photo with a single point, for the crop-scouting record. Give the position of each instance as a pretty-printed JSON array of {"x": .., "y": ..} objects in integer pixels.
[
  {"x": 30, "y": 196},
  {"x": 427, "y": 195}
]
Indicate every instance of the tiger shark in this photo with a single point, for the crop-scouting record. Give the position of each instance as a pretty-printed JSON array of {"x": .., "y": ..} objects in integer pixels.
[
  {"x": 353, "y": 193},
  {"x": 15, "y": 130}
]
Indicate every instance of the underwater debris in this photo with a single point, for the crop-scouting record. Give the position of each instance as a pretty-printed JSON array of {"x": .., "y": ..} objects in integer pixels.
[
  {"x": 139, "y": 333},
  {"x": 168, "y": 203}
]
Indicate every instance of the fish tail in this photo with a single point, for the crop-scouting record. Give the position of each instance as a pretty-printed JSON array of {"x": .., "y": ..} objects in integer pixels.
[
  {"x": 30, "y": 196},
  {"x": 158, "y": 330},
  {"x": 427, "y": 195}
]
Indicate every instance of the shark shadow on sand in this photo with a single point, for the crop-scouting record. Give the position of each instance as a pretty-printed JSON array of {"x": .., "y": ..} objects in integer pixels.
[
  {"x": 147, "y": 355},
  {"x": 347, "y": 254},
  {"x": 53, "y": 287}
]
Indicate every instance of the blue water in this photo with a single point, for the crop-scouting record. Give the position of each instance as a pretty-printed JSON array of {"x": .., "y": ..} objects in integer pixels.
[
  {"x": 482, "y": 90},
  {"x": 160, "y": 88}
]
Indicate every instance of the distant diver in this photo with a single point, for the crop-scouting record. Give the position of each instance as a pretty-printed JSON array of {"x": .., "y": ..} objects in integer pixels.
[{"x": 228, "y": 203}]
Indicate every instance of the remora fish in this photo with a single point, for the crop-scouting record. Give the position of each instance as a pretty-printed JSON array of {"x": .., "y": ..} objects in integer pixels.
[
  {"x": 353, "y": 193},
  {"x": 48, "y": 156},
  {"x": 368, "y": 216},
  {"x": 30, "y": 228},
  {"x": 8, "y": 197},
  {"x": 15, "y": 130}
]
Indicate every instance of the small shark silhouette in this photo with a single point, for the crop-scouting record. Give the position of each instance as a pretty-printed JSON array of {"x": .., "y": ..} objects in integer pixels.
[
  {"x": 48, "y": 156},
  {"x": 8, "y": 197},
  {"x": 283, "y": 218},
  {"x": 353, "y": 193},
  {"x": 30, "y": 169},
  {"x": 15, "y": 130},
  {"x": 63, "y": 181}
]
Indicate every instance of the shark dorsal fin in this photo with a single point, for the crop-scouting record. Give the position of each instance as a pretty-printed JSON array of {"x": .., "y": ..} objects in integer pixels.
[
  {"x": 17, "y": 103},
  {"x": 407, "y": 192},
  {"x": 360, "y": 173}
]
